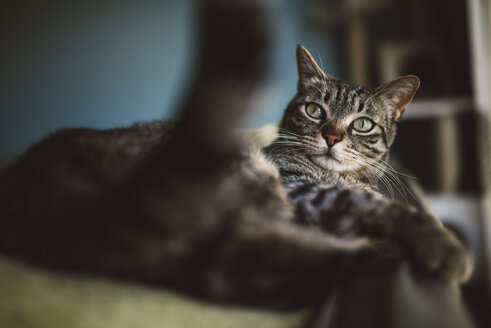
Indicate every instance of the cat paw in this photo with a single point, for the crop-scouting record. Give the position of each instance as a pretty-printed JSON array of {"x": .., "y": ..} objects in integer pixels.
[{"x": 438, "y": 251}]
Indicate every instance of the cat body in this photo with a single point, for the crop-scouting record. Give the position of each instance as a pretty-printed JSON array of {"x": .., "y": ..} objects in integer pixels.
[{"x": 189, "y": 206}]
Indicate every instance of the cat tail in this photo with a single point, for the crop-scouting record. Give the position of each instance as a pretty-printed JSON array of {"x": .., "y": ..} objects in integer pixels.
[
  {"x": 188, "y": 166},
  {"x": 232, "y": 66}
]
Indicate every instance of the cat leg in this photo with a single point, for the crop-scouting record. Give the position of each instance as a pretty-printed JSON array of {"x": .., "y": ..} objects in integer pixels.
[
  {"x": 275, "y": 263},
  {"x": 344, "y": 211}
]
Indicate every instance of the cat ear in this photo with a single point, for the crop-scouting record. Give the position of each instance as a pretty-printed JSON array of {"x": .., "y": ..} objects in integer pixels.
[
  {"x": 307, "y": 68},
  {"x": 398, "y": 93}
]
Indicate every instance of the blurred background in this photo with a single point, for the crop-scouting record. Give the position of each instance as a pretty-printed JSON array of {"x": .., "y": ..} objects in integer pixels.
[{"x": 108, "y": 63}]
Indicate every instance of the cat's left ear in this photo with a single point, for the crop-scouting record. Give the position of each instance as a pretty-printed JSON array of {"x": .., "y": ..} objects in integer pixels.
[
  {"x": 398, "y": 93},
  {"x": 308, "y": 70}
]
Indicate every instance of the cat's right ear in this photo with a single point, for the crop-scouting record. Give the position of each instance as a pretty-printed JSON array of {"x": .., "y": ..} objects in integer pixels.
[
  {"x": 308, "y": 70},
  {"x": 398, "y": 93}
]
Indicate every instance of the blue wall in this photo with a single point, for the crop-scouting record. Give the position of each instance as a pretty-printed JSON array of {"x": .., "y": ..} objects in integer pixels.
[{"x": 110, "y": 63}]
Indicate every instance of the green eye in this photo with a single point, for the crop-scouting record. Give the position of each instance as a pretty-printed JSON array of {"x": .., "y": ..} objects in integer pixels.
[
  {"x": 362, "y": 124},
  {"x": 314, "y": 111}
]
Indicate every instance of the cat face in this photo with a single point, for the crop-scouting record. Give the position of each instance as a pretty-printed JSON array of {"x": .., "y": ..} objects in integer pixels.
[{"x": 342, "y": 126}]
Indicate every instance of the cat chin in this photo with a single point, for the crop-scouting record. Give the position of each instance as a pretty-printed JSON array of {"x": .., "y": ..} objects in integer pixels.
[{"x": 330, "y": 163}]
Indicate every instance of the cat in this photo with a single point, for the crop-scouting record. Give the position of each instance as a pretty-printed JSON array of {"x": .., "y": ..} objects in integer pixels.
[
  {"x": 334, "y": 141},
  {"x": 192, "y": 207}
]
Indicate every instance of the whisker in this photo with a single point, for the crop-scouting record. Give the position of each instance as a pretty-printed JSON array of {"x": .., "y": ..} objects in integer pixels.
[
  {"x": 322, "y": 74},
  {"x": 298, "y": 138},
  {"x": 318, "y": 89},
  {"x": 392, "y": 176},
  {"x": 386, "y": 179}
]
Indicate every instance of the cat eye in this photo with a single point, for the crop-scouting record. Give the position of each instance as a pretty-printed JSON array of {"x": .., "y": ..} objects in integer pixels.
[
  {"x": 362, "y": 124},
  {"x": 314, "y": 111}
]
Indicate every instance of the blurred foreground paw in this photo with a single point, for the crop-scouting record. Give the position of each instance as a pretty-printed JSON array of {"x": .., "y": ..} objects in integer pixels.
[{"x": 438, "y": 251}]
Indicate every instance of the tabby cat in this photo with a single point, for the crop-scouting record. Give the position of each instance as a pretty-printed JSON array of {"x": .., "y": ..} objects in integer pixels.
[{"x": 190, "y": 206}]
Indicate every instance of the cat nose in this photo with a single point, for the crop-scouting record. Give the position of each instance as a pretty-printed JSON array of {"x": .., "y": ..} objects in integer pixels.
[{"x": 332, "y": 138}]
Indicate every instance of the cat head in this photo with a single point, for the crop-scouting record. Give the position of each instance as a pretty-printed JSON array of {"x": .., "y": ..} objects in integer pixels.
[{"x": 342, "y": 126}]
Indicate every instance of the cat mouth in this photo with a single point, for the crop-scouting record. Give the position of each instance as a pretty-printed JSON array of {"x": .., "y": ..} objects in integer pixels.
[
  {"x": 328, "y": 155},
  {"x": 330, "y": 162},
  {"x": 327, "y": 161}
]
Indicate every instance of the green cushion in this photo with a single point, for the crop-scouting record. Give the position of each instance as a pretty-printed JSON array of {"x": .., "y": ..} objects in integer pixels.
[{"x": 33, "y": 297}]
